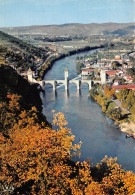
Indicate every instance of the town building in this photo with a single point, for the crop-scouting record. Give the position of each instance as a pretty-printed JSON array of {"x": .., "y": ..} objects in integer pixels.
[{"x": 87, "y": 73}]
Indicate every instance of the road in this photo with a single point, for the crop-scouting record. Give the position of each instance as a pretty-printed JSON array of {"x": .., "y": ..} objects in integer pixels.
[{"x": 119, "y": 105}]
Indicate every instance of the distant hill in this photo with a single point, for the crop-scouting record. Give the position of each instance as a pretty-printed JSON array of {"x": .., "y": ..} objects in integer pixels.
[{"x": 74, "y": 29}]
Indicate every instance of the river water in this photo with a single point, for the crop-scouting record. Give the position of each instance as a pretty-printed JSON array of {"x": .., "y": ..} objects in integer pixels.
[{"x": 85, "y": 118}]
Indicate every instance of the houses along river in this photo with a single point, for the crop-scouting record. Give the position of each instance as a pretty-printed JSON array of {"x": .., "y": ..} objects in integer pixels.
[{"x": 85, "y": 118}]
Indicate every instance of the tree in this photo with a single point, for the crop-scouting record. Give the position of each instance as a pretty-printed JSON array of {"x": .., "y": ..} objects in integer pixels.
[
  {"x": 37, "y": 155},
  {"x": 131, "y": 71},
  {"x": 36, "y": 159},
  {"x": 79, "y": 67},
  {"x": 9, "y": 111},
  {"x": 122, "y": 95},
  {"x": 116, "y": 180},
  {"x": 114, "y": 65},
  {"x": 132, "y": 109},
  {"x": 132, "y": 59},
  {"x": 130, "y": 100},
  {"x": 109, "y": 92},
  {"x": 114, "y": 113}
]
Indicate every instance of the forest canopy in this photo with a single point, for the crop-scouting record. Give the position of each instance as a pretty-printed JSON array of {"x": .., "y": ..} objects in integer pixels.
[{"x": 36, "y": 159}]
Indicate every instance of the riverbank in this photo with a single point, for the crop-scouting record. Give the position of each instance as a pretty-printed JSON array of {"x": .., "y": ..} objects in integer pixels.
[
  {"x": 50, "y": 61},
  {"x": 128, "y": 127},
  {"x": 113, "y": 111}
]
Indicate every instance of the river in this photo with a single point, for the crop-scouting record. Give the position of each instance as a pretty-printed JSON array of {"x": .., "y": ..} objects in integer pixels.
[{"x": 85, "y": 118}]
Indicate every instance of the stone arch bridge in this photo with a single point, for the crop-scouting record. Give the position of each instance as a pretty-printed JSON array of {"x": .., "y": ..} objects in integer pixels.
[
  {"x": 65, "y": 82},
  {"x": 78, "y": 83}
]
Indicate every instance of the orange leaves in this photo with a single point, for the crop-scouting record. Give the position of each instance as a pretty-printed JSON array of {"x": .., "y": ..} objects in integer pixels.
[
  {"x": 39, "y": 157},
  {"x": 14, "y": 102},
  {"x": 2, "y": 139},
  {"x": 94, "y": 188},
  {"x": 9, "y": 112},
  {"x": 59, "y": 119},
  {"x": 65, "y": 137},
  {"x": 129, "y": 182},
  {"x": 82, "y": 179},
  {"x": 116, "y": 180},
  {"x": 109, "y": 92},
  {"x": 37, "y": 153}
]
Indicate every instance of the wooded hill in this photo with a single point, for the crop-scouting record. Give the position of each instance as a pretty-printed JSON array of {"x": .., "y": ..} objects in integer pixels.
[
  {"x": 11, "y": 82},
  {"x": 19, "y": 53}
]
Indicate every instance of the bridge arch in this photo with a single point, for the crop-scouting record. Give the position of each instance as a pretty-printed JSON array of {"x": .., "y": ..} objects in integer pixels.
[
  {"x": 48, "y": 85},
  {"x": 53, "y": 83},
  {"x": 84, "y": 84},
  {"x": 76, "y": 82},
  {"x": 89, "y": 82},
  {"x": 62, "y": 82}
]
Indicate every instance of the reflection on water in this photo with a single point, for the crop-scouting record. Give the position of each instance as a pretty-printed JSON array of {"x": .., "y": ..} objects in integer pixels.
[{"x": 98, "y": 133}]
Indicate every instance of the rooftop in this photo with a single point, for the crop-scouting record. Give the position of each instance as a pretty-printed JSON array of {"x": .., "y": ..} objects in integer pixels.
[
  {"x": 87, "y": 70},
  {"x": 111, "y": 72},
  {"x": 124, "y": 86}
]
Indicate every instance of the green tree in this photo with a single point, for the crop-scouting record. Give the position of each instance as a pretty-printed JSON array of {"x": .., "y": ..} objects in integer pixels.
[
  {"x": 79, "y": 66},
  {"x": 130, "y": 100},
  {"x": 122, "y": 94},
  {"x": 130, "y": 71},
  {"x": 114, "y": 113}
]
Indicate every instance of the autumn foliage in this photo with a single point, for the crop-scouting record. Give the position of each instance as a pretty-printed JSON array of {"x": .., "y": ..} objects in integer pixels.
[
  {"x": 36, "y": 159},
  {"x": 108, "y": 91}
]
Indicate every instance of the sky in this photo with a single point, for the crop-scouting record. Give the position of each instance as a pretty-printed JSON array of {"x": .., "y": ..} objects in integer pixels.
[{"x": 47, "y": 12}]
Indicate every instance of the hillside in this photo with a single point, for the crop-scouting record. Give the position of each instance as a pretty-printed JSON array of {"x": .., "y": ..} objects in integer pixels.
[
  {"x": 74, "y": 29},
  {"x": 11, "y": 82},
  {"x": 19, "y": 53}
]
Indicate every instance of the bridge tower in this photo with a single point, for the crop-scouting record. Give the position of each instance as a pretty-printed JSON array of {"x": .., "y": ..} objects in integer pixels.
[
  {"x": 66, "y": 73},
  {"x": 29, "y": 74},
  {"x": 103, "y": 76},
  {"x": 66, "y": 79}
]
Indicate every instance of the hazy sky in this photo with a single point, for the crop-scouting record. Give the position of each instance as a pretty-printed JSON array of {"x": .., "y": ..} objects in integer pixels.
[{"x": 44, "y": 12}]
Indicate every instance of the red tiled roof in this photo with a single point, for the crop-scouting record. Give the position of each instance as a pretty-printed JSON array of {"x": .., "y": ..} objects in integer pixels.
[
  {"x": 124, "y": 87},
  {"x": 111, "y": 72},
  {"x": 128, "y": 76},
  {"x": 118, "y": 71},
  {"x": 87, "y": 70}
]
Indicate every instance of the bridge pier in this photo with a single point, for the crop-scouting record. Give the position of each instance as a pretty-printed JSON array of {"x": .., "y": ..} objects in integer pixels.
[
  {"x": 78, "y": 83},
  {"x": 90, "y": 85},
  {"x": 66, "y": 84},
  {"x": 54, "y": 84}
]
